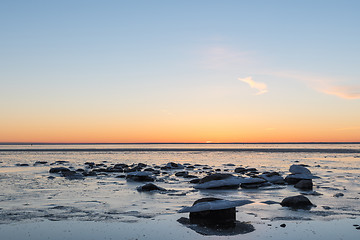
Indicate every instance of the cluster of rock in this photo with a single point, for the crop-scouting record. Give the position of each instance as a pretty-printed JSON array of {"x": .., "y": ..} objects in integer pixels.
[{"x": 210, "y": 212}]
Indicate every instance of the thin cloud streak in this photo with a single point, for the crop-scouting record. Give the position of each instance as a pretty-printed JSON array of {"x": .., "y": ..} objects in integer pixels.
[
  {"x": 261, "y": 87},
  {"x": 325, "y": 85},
  {"x": 346, "y": 92}
]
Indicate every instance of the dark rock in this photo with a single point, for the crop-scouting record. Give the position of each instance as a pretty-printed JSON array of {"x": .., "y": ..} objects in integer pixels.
[
  {"x": 61, "y": 162},
  {"x": 90, "y": 164},
  {"x": 215, "y": 176},
  {"x": 190, "y": 167},
  {"x": 218, "y": 170},
  {"x": 213, "y": 218},
  {"x": 149, "y": 170},
  {"x": 121, "y": 165},
  {"x": 240, "y": 170},
  {"x": 22, "y": 164},
  {"x": 72, "y": 175},
  {"x": 121, "y": 176},
  {"x": 40, "y": 162},
  {"x": 338, "y": 195},
  {"x": 283, "y": 225},
  {"x": 299, "y": 201},
  {"x": 80, "y": 170},
  {"x": 181, "y": 174},
  {"x": 197, "y": 180},
  {"x": 150, "y": 187},
  {"x": 305, "y": 184},
  {"x": 90, "y": 174},
  {"x": 292, "y": 179},
  {"x": 59, "y": 170},
  {"x": 140, "y": 177}
]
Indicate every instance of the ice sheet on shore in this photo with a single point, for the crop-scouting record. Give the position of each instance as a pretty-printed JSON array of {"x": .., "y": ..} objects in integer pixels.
[
  {"x": 227, "y": 182},
  {"x": 214, "y": 205}
]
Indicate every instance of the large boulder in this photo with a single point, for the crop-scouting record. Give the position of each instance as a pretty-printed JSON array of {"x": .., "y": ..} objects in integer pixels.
[
  {"x": 299, "y": 201},
  {"x": 214, "y": 212}
]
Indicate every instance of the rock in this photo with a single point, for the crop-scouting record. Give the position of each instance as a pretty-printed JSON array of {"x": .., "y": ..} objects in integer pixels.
[
  {"x": 219, "y": 181},
  {"x": 149, "y": 187},
  {"x": 214, "y": 212},
  {"x": 121, "y": 165},
  {"x": 72, "y": 175},
  {"x": 273, "y": 177},
  {"x": 252, "y": 182},
  {"x": 299, "y": 169},
  {"x": 197, "y": 180},
  {"x": 339, "y": 195},
  {"x": 59, "y": 170},
  {"x": 181, "y": 174},
  {"x": 299, "y": 201},
  {"x": 305, "y": 184},
  {"x": 140, "y": 176},
  {"x": 216, "y": 176},
  {"x": 172, "y": 165},
  {"x": 40, "y": 163},
  {"x": 22, "y": 165},
  {"x": 208, "y": 216},
  {"x": 239, "y": 170},
  {"x": 90, "y": 164},
  {"x": 283, "y": 225}
]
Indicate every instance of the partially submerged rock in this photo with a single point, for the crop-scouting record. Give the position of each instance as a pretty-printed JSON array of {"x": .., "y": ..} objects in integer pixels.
[
  {"x": 140, "y": 176},
  {"x": 273, "y": 177},
  {"x": 219, "y": 181},
  {"x": 214, "y": 212},
  {"x": 58, "y": 170},
  {"x": 304, "y": 184},
  {"x": 299, "y": 201},
  {"x": 149, "y": 187},
  {"x": 298, "y": 173},
  {"x": 252, "y": 182}
]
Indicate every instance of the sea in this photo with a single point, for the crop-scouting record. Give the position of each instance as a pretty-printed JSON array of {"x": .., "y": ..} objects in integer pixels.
[{"x": 37, "y": 204}]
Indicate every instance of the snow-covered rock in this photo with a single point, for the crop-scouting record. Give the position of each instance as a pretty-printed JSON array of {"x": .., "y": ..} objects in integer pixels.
[{"x": 214, "y": 205}]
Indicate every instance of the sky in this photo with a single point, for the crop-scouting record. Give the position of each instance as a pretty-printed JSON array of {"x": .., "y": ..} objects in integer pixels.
[{"x": 179, "y": 71}]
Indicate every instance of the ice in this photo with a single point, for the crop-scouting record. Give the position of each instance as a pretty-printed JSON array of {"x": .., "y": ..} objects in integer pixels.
[
  {"x": 231, "y": 181},
  {"x": 214, "y": 205}
]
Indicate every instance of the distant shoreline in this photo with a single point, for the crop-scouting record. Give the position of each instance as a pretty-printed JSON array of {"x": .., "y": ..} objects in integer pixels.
[
  {"x": 150, "y": 143},
  {"x": 269, "y": 150}
]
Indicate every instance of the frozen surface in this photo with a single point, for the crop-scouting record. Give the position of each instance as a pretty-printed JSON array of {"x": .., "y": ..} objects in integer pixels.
[{"x": 106, "y": 206}]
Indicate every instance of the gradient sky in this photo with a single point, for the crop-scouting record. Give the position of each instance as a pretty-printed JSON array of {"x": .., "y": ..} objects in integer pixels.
[{"x": 179, "y": 71}]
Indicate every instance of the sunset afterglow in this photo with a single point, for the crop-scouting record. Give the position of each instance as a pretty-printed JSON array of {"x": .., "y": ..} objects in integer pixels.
[{"x": 179, "y": 71}]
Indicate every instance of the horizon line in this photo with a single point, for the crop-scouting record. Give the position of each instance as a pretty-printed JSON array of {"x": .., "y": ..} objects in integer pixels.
[{"x": 139, "y": 143}]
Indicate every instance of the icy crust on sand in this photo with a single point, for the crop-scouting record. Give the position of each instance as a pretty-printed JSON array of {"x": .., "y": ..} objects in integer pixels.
[
  {"x": 228, "y": 182},
  {"x": 214, "y": 205}
]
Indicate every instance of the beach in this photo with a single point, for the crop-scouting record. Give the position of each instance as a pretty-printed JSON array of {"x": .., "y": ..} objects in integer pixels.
[{"x": 37, "y": 204}]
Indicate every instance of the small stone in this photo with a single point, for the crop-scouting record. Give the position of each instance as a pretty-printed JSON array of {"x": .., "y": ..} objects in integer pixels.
[
  {"x": 283, "y": 225},
  {"x": 338, "y": 195},
  {"x": 299, "y": 201}
]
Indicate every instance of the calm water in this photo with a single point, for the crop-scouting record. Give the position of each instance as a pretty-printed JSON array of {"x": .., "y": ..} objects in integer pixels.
[{"x": 30, "y": 202}]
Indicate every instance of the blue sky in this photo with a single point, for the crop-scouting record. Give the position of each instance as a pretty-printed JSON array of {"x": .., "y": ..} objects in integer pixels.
[{"x": 178, "y": 57}]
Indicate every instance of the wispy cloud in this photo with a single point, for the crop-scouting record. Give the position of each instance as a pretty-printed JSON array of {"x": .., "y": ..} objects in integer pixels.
[
  {"x": 327, "y": 85},
  {"x": 347, "y": 92},
  {"x": 261, "y": 87}
]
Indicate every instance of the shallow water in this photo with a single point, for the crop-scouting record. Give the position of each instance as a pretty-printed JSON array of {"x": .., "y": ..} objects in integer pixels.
[{"x": 31, "y": 202}]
